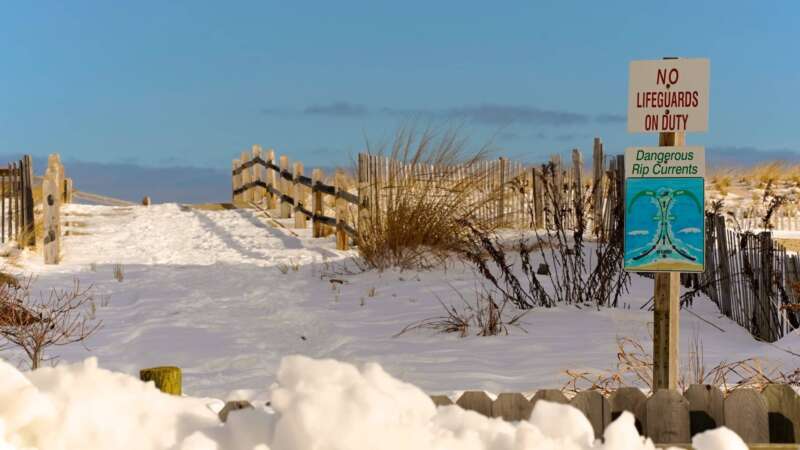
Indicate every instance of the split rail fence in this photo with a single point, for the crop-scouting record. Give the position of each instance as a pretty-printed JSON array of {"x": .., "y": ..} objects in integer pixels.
[
  {"x": 770, "y": 416},
  {"x": 258, "y": 180}
]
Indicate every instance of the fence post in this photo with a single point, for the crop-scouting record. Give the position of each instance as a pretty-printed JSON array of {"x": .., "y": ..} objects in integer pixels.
[
  {"x": 68, "y": 188},
  {"x": 256, "y": 170},
  {"x": 298, "y": 193},
  {"x": 271, "y": 201},
  {"x": 50, "y": 201},
  {"x": 538, "y": 199},
  {"x": 762, "y": 313},
  {"x": 247, "y": 195},
  {"x": 3, "y": 178},
  {"x": 236, "y": 181},
  {"x": 17, "y": 224},
  {"x": 27, "y": 192},
  {"x": 286, "y": 208},
  {"x": 558, "y": 182},
  {"x": 363, "y": 190},
  {"x": 724, "y": 265},
  {"x": 577, "y": 184},
  {"x": 501, "y": 194},
  {"x": 316, "y": 203},
  {"x": 597, "y": 185},
  {"x": 340, "y": 205}
]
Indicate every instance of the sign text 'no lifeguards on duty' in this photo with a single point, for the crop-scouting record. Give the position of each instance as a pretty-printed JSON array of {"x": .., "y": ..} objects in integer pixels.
[{"x": 669, "y": 95}]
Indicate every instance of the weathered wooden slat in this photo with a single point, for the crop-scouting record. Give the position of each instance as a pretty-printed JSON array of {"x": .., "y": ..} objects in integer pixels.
[
  {"x": 596, "y": 408},
  {"x": 549, "y": 395},
  {"x": 441, "y": 400},
  {"x": 783, "y": 407},
  {"x": 476, "y": 401},
  {"x": 706, "y": 410},
  {"x": 512, "y": 407},
  {"x": 672, "y": 412},
  {"x": 630, "y": 399},
  {"x": 747, "y": 414}
]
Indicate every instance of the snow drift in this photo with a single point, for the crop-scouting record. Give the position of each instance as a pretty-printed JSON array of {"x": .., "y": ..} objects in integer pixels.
[{"x": 318, "y": 404}]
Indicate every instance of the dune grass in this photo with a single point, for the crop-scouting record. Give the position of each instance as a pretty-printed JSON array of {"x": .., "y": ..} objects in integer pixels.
[{"x": 414, "y": 217}]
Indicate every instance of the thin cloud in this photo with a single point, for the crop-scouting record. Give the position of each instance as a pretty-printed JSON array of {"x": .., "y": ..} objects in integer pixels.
[
  {"x": 610, "y": 118},
  {"x": 337, "y": 109},
  {"x": 486, "y": 114},
  {"x": 731, "y": 155}
]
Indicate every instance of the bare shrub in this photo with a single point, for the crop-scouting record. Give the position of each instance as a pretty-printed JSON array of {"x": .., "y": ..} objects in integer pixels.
[
  {"x": 414, "y": 218},
  {"x": 577, "y": 273},
  {"x": 35, "y": 323}
]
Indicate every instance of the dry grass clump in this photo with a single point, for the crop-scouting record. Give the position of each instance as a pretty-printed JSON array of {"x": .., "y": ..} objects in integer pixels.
[
  {"x": 486, "y": 316},
  {"x": 119, "y": 273},
  {"x": 635, "y": 368},
  {"x": 413, "y": 217}
]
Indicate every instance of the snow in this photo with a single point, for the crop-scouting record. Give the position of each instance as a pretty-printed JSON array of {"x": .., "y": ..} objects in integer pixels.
[
  {"x": 206, "y": 291},
  {"x": 217, "y": 294},
  {"x": 318, "y": 404}
]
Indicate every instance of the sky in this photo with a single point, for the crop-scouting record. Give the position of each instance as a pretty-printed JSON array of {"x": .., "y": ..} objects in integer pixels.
[{"x": 176, "y": 84}]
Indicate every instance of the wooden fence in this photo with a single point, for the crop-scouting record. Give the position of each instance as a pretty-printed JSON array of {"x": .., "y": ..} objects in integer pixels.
[
  {"x": 751, "y": 278},
  {"x": 771, "y": 416},
  {"x": 258, "y": 180},
  {"x": 28, "y": 200},
  {"x": 510, "y": 194},
  {"x": 16, "y": 211}
]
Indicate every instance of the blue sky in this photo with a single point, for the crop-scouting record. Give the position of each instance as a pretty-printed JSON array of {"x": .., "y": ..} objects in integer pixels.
[{"x": 179, "y": 83}]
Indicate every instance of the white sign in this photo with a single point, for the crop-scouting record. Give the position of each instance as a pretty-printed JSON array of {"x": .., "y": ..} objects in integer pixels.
[
  {"x": 663, "y": 162},
  {"x": 668, "y": 95}
]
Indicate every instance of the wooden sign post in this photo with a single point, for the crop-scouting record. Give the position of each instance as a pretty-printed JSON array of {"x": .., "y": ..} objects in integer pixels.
[
  {"x": 664, "y": 192},
  {"x": 666, "y": 309}
]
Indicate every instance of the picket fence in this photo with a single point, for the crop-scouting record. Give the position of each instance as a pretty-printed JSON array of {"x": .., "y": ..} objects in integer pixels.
[
  {"x": 770, "y": 416},
  {"x": 752, "y": 279}
]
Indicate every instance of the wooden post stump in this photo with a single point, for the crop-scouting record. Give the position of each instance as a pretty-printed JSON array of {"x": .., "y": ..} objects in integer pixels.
[
  {"x": 342, "y": 241},
  {"x": 166, "y": 378}
]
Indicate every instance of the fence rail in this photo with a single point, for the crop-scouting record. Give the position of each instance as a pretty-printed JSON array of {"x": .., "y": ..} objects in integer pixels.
[
  {"x": 771, "y": 416},
  {"x": 258, "y": 179}
]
